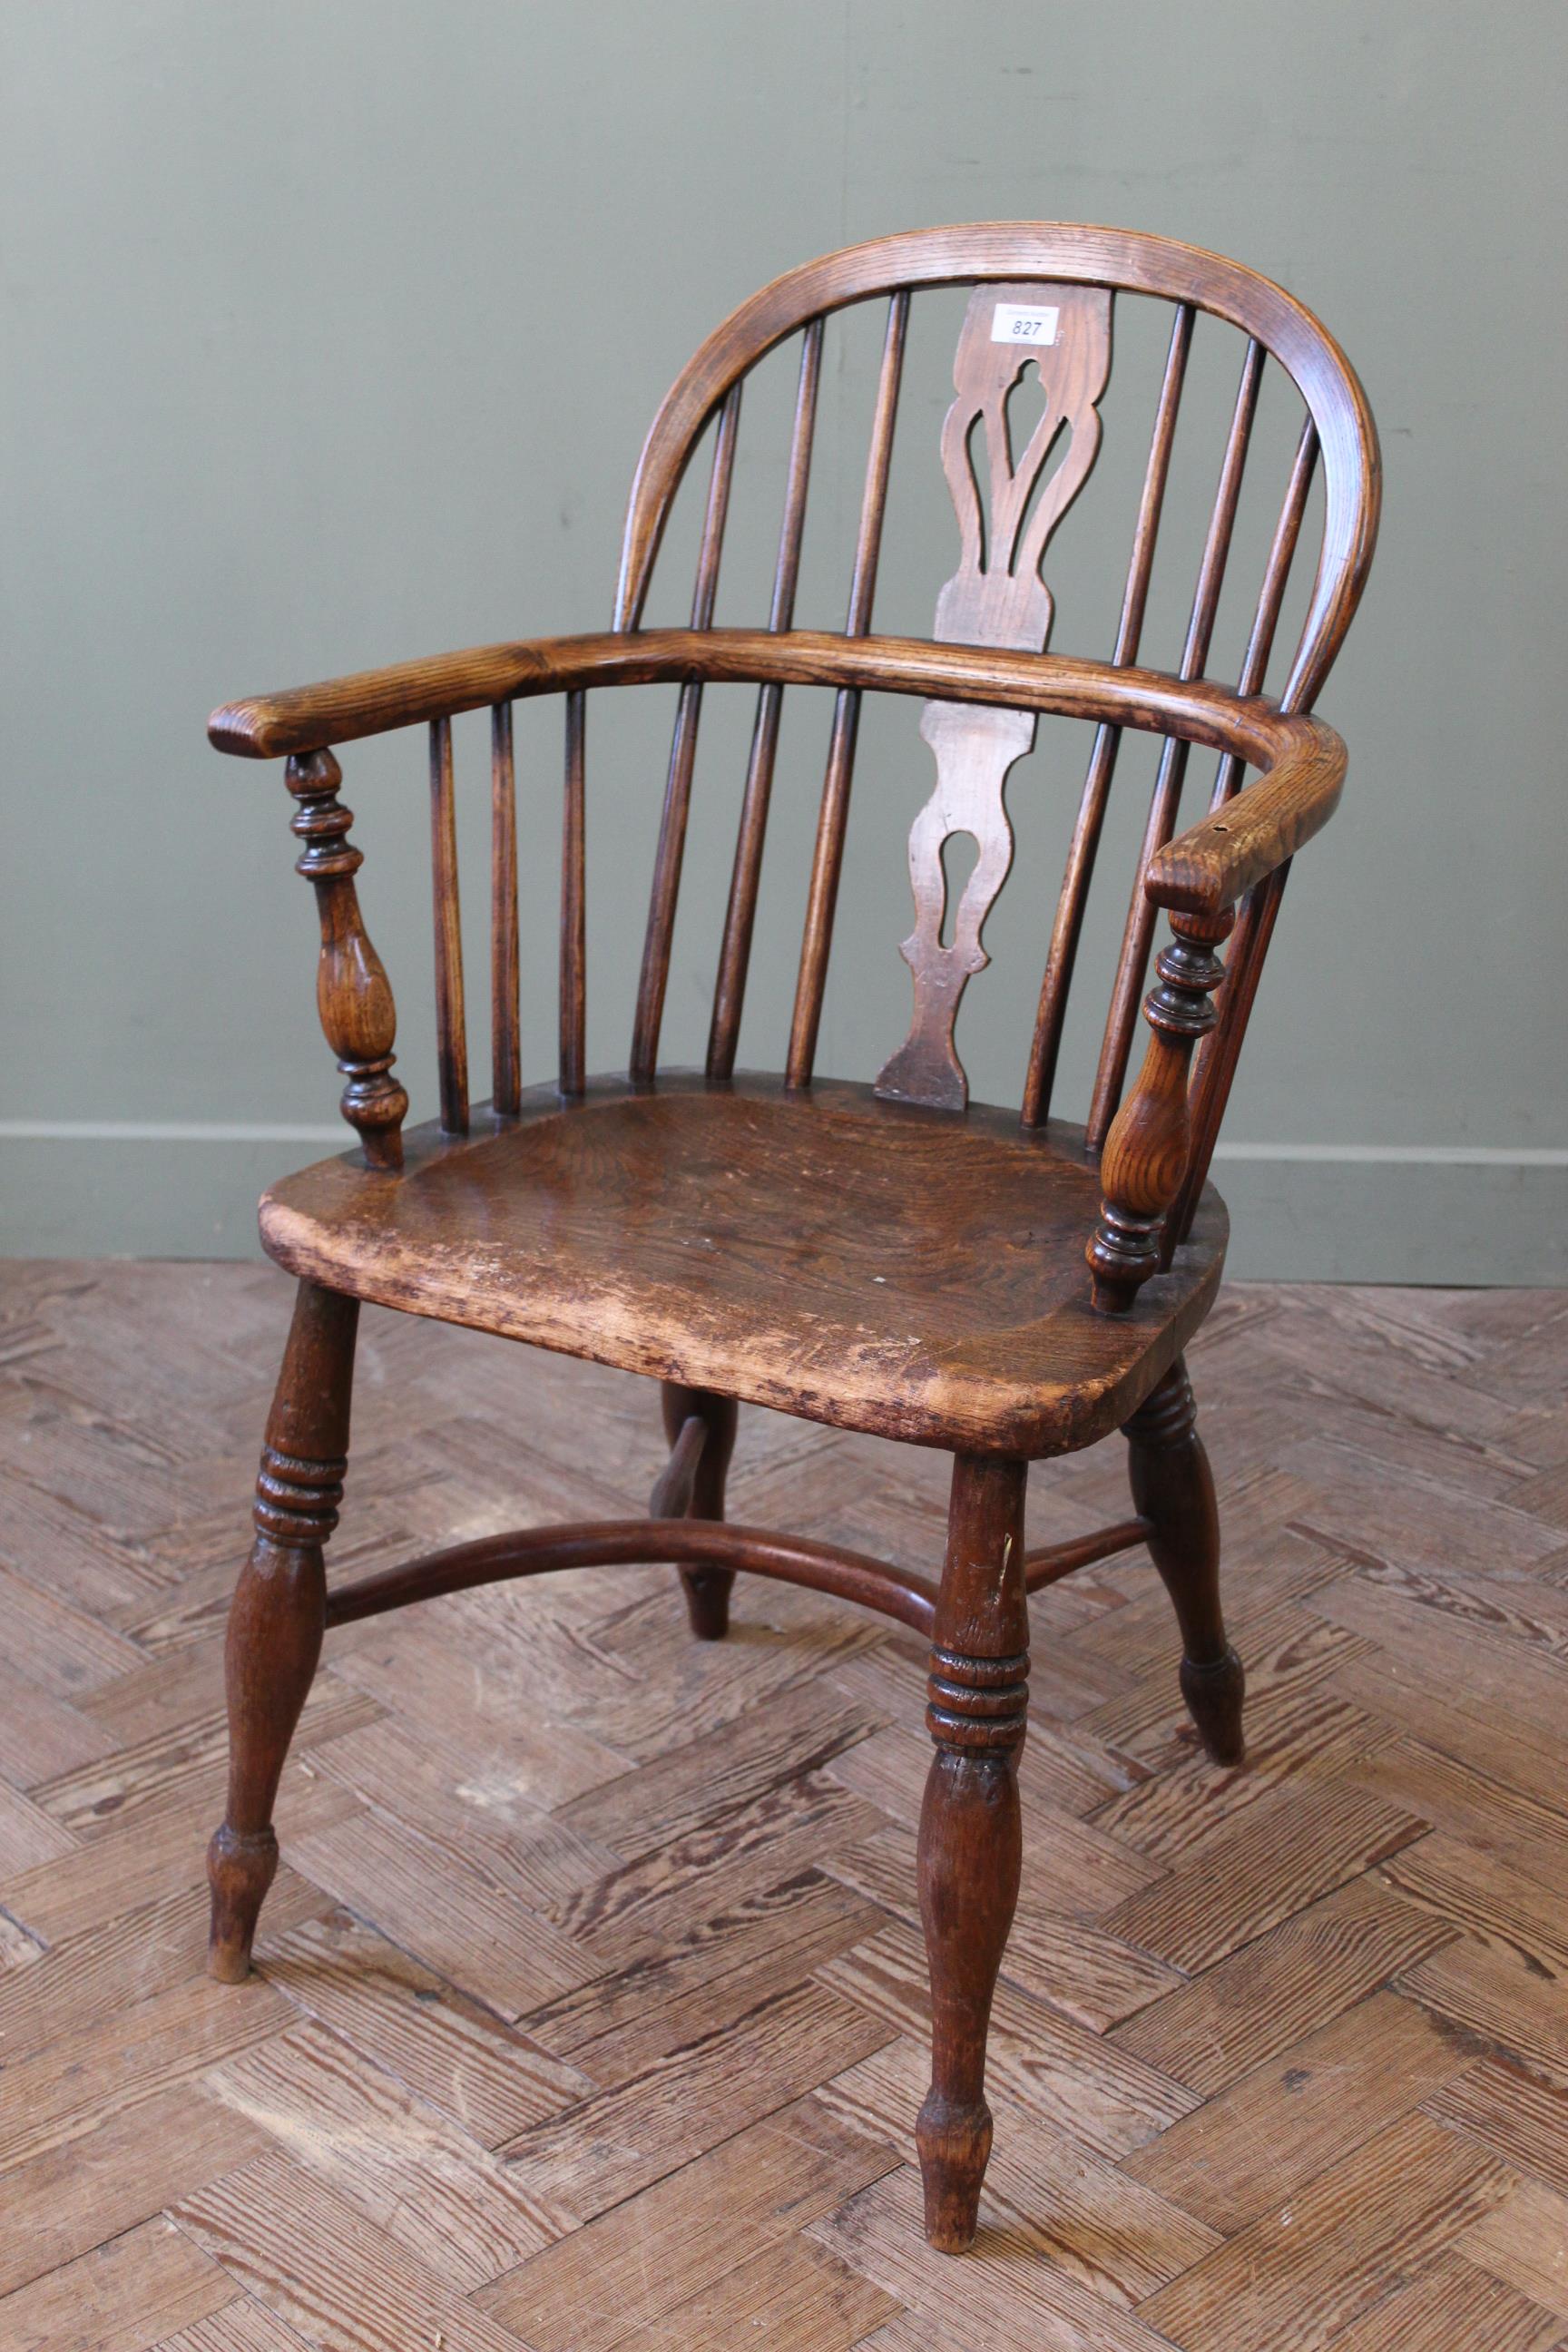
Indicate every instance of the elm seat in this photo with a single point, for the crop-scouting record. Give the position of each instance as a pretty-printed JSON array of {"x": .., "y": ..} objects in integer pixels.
[{"x": 873, "y": 1265}]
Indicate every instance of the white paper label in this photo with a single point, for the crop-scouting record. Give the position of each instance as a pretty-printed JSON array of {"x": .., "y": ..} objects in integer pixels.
[{"x": 1012, "y": 324}]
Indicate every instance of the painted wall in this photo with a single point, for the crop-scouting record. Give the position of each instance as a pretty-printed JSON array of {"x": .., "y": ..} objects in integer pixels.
[{"x": 330, "y": 334}]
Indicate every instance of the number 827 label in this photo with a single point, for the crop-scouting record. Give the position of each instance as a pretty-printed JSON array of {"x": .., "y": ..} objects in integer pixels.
[{"x": 1010, "y": 323}]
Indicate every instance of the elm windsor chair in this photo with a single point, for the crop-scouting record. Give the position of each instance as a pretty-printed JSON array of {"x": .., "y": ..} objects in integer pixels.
[{"x": 887, "y": 1258}]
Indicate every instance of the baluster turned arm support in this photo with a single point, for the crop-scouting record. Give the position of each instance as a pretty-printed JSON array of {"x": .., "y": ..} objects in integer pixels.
[
  {"x": 1147, "y": 1150},
  {"x": 353, "y": 995}
]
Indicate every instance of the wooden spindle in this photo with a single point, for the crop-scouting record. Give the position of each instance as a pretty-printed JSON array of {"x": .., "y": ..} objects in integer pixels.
[
  {"x": 1132, "y": 965},
  {"x": 654, "y": 978},
  {"x": 506, "y": 1044},
  {"x": 451, "y": 1028},
  {"x": 1068, "y": 928},
  {"x": 829, "y": 858},
  {"x": 353, "y": 995},
  {"x": 573, "y": 904},
  {"x": 1270, "y": 597},
  {"x": 1218, "y": 1053},
  {"x": 740, "y": 916}
]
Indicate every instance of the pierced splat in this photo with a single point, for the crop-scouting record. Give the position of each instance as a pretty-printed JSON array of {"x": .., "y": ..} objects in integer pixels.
[{"x": 997, "y": 597}]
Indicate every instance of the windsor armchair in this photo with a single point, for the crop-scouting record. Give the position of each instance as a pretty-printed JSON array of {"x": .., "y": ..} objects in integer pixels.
[{"x": 885, "y": 1258}]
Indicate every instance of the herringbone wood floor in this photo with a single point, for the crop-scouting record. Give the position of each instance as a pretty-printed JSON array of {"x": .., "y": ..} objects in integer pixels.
[{"x": 590, "y": 2004}]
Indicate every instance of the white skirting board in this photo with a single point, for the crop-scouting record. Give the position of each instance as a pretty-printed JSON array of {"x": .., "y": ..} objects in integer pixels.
[{"x": 1300, "y": 1212}]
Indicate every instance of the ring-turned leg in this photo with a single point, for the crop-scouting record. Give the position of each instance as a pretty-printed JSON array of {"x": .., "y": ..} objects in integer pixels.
[
  {"x": 275, "y": 1622},
  {"x": 971, "y": 1842},
  {"x": 706, "y": 1588},
  {"x": 1172, "y": 1487}
]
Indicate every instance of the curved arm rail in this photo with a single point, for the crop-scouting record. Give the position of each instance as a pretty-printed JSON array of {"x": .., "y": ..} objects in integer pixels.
[
  {"x": 1209, "y": 866},
  {"x": 611, "y": 1543}
]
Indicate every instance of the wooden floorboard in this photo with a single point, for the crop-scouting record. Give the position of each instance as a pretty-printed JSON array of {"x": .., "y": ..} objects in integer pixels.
[{"x": 590, "y": 2010}]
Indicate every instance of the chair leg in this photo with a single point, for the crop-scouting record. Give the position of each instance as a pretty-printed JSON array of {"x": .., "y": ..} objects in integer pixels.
[
  {"x": 275, "y": 1621},
  {"x": 1172, "y": 1486},
  {"x": 707, "y": 1589},
  {"x": 970, "y": 1838}
]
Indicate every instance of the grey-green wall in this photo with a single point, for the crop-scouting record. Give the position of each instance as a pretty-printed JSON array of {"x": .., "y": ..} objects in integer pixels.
[{"x": 331, "y": 330}]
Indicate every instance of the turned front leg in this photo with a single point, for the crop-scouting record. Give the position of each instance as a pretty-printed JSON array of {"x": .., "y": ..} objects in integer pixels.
[
  {"x": 971, "y": 1839},
  {"x": 699, "y": 1493},
  {"x": 1147, "y": 1150},
  {"x": 276, "y": 1621},
  {"x": 1172, "y": 1488}
]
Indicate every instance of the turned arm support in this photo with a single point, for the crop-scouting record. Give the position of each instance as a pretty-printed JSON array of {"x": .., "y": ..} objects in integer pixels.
[
  {"x": 1146, "y": 1151},
  {"x": 1198, "y": 877},
  {"x": 353, "y": 995}
]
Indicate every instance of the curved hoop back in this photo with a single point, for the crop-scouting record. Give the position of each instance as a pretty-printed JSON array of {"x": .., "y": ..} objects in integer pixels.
[
  {"x": 1057, "y": 253},
  {"x": 1042, "y": 294}
]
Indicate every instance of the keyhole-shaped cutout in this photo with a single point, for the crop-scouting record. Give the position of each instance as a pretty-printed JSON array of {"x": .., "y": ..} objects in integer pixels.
[{"x": 960, "y": 856}]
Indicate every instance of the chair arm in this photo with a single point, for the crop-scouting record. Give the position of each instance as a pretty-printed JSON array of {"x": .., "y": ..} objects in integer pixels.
[
  {"x": 310, "y": 718},
  {"x": 1216, "y": 861},
  {"x": 1199, "y": 876}
]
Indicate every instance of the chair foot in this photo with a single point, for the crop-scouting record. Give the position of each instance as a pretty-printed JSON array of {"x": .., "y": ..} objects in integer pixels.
[
  {"x": 279, "y": 1612},
  {"x": 1214, "y": 1694},
  {"x": 240, "y": 1868},
  {"x": 954, "y": 2144},
  {"x": 1172, "y": 1487},
  {"x": 707, "y": 1593},
  {"x": 698, "y": 1497},
  {"x": 970, "y": 1844}
]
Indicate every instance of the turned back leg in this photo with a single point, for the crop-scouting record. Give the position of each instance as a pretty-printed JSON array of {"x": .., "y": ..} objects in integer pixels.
[
  {"x": 1172, "y": 1487},
  {"x": 692, "y": 1487},
  {"x": 276, "y": 1620},
  {"x": 970, "y": 1838}
]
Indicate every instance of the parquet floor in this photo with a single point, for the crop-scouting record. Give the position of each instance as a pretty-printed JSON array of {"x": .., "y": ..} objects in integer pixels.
[{"x": 590, "y": 2004}]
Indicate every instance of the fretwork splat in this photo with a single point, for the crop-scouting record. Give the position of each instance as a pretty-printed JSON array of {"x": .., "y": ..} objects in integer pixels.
[{"x": 997, "y": 597}]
